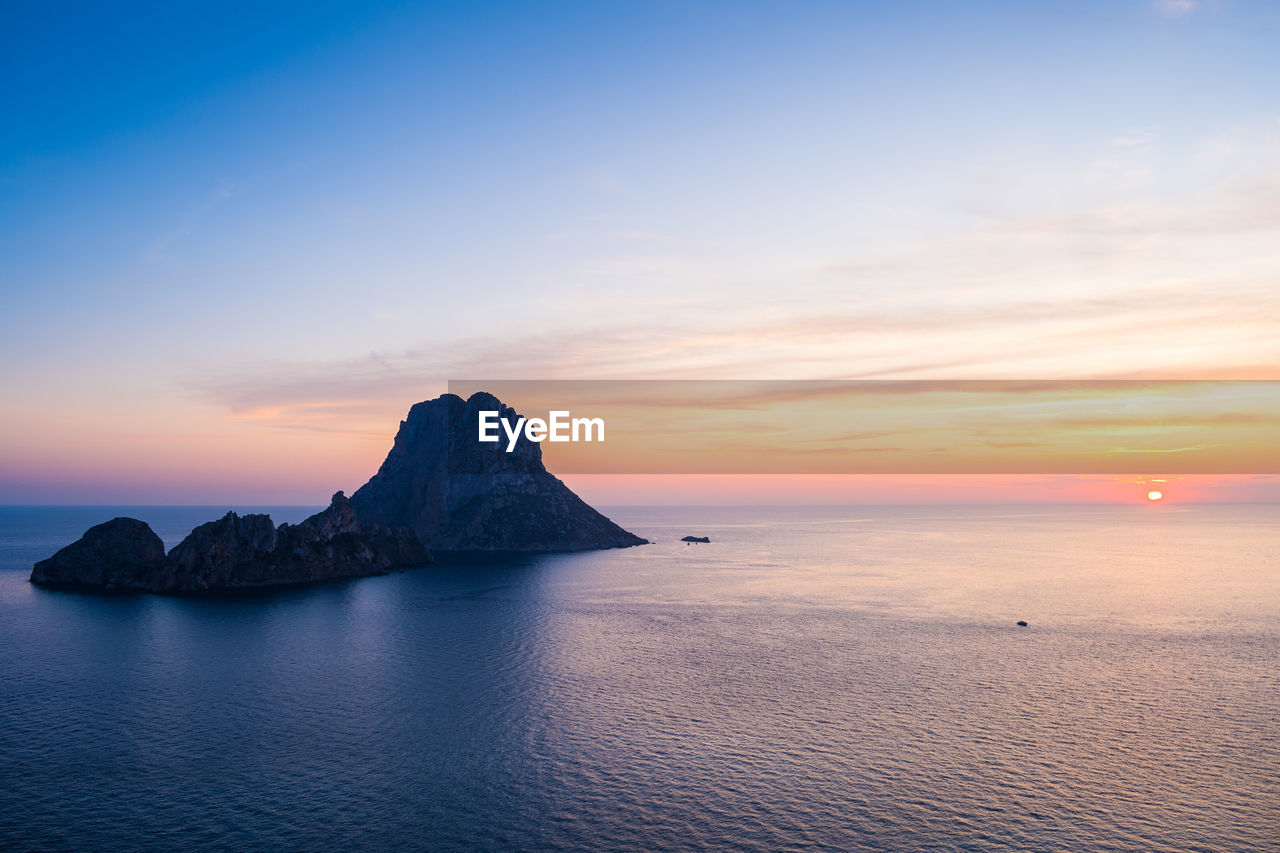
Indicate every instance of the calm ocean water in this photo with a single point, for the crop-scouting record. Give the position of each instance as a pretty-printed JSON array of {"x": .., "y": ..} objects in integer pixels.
[{"x": 815, "y": 678}]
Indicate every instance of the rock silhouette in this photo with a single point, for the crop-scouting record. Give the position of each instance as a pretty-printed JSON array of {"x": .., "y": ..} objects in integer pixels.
[
  {"x": 458, "y": 494},
  {"x": 247, "y": 551},
  {"x": 439, "y": 489},
  {"x": 122, "y": 552}
]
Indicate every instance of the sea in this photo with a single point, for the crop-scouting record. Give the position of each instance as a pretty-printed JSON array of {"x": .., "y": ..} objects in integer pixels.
[{"x": 814, "y": 678}]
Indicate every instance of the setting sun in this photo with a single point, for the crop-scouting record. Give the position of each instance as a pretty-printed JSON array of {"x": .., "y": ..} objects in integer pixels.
[{"x": 1155, "y": 495}]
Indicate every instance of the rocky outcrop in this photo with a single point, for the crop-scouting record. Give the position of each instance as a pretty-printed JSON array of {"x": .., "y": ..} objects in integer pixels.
[
  {"x": 458, "y": 494},
  {"x": 250, "y": 551},
  {"x": 122, "y": 552},
  {"x": 439, "y": 489},
  {"x": 234, "y": 552},
  {"x": 696, "y": 539}
]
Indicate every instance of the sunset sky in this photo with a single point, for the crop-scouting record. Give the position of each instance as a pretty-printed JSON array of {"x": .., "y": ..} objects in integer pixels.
[{"x": 237, "y": 241}]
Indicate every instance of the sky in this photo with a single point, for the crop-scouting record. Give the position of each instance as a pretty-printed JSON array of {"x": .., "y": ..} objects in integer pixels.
[{"x": 238, "y": 240}]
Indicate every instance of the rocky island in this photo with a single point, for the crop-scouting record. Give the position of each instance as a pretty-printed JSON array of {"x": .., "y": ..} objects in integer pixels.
[
  {"x": 459, "y": 495},
  {"x": 439, "y": 491}
]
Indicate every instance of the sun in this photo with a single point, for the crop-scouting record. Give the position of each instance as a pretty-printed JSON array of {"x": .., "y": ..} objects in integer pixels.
[{"x": 1155, "y": 495}]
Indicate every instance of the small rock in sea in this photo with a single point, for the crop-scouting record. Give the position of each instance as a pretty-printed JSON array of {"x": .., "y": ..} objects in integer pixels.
[
  {"x": 696, "y": 539},
  {"x": 122, "y": 552},
  {"x": 1021, "y": 624}
]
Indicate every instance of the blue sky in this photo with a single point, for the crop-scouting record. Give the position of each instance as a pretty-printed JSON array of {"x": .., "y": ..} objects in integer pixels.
[{"x": 275, "y": 225}]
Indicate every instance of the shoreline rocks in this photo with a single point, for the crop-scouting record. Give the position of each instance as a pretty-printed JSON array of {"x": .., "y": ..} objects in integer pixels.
[{"x": 234, "y": 552}]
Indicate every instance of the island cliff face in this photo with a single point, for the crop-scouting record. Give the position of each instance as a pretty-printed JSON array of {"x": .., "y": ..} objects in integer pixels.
[
  {"x": 458, "y": 494},
  {"x": 439, "y": 488}
]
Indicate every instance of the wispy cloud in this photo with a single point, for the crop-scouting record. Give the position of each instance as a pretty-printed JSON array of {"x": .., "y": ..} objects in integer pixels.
[
  {"x": 1120, "y": 281},
  {"x": 1175, "y": 8},
  {"x": 186, "y": 226},
  {"x": 1132, "y": 140},
  {"x": 602, "y": 179}
]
